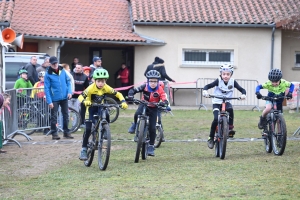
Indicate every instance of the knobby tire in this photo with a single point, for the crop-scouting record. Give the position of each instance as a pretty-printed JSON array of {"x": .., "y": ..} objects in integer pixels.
[
  {"x": 141, "y": 128},
  {"x": 104, "y": 148}
]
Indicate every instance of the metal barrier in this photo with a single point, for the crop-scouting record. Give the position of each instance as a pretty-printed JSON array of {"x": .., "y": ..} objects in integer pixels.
[{"x": 248, "y": 85}]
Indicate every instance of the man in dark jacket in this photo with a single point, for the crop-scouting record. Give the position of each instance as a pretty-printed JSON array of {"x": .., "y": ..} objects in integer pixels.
[
  {"x": 31, "y": 69},
  {"x": 81, "y": 83},
  {"x": 159, "y": 66},
  {"x": 97, "y": 64}
]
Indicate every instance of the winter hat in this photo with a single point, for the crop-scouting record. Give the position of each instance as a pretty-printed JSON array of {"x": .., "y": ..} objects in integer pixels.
[{"x": 158, "y": 60}]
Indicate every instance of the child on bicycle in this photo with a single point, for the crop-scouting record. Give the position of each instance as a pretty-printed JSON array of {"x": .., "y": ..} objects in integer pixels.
[
  {"x": 224, "y": 86},
  {"x": 275, "y": 86},
  {"x": 153, "y": 93},
  {"x": 94, "y": 94}
]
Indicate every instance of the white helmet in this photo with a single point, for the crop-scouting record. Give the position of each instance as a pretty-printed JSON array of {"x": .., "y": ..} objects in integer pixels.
[
  {"x": 42, "y": 73},
  {"x": 226, "y": 68}
]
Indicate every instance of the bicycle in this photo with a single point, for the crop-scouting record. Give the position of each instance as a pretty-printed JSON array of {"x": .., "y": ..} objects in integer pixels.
[
  {"x": 159, "y": 128},
  {"x": 100, "y": 138},
  {"x": 223, "y": 127},
  {"x": 275, "y": 140}
]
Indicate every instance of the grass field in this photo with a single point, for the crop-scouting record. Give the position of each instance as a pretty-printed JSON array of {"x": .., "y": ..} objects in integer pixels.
[{"x": 181, "y": 169}]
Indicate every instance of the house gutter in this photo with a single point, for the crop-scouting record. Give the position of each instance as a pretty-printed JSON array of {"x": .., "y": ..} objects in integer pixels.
[
  {"x": 147, "y": 43},
  {"x": 272, "y": 46},
  {"x": 58, "y": 50}
]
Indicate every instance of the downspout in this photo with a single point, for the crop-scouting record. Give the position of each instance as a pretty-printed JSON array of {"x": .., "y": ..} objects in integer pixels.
[
  {"x": 272, "y": 46},
  {"x": 58, "y": 50}
]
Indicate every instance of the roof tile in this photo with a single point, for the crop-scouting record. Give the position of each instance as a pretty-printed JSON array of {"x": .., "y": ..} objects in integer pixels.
[
  {"x": 108, "y": 20},
  {"x": 6, "y": 10}
]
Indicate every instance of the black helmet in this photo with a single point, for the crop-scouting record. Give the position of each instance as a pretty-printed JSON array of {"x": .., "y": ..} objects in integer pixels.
[
  {"x": 153, "y": 74},
  {"x": 275, "y": 75}
]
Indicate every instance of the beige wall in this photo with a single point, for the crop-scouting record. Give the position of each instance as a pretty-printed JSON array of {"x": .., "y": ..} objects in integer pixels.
[
  {"x": 290, "y": 44},
  {"x": 252, "y": 52},
  {"x": 48, "y": 46}
]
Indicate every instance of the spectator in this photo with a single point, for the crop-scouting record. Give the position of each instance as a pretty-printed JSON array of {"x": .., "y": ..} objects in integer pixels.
[
  {"x": 4, "y": 101},
  {"x": 74, "y": 63},
  {"x": 97, "y": 65},
  {"x": 123, "y": 75},
  {"x": 21, "y": 83},
  {"x": 81, "y": 83},
  {"x": 66, "y": 67},
  {"x": 159, "y": 66},
  {"x": 31, "y": 69},
  {"x": 44, "y": 65},
  {"x": 58, "y": 91}
]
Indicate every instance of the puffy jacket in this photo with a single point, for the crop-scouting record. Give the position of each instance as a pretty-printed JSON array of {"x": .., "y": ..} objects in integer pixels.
[{"x": 57, "y": 86}]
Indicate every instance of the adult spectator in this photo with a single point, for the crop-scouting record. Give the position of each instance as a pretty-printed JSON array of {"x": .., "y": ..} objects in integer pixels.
[
  {"x": 123, "y": 75},
  {"x": 58, "y": 91},
  {"x": 44, "y": 66},
  {"x": 74, "y": 63},
  {"x": 66, "y": 67},
  {"x": 81, "y": 83},
  {"x": 31, "y": 69},
  {"x": 97, "y": 64},
  {"x": 4, "y": 101},
  {"x": 159, "y": 66}
]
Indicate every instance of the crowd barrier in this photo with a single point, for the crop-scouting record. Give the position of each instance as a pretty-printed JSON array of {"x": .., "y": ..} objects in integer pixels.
[{"x": 248, "y": 85}]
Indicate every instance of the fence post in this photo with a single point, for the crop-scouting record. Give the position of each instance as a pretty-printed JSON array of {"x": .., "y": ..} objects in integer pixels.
[{"x": 1, "y": 132}]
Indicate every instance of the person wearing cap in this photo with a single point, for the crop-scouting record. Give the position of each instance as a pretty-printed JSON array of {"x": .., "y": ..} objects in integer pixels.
[
  {"x": 97, "y": 64},
  {"x": 58, "y": 91},
  {"x": 4, "y": 101}
]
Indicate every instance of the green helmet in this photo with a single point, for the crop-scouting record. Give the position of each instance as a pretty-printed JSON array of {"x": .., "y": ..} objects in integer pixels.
[
  {"x": 100, "y": 73},
  {"x": 23, "y": 71}
]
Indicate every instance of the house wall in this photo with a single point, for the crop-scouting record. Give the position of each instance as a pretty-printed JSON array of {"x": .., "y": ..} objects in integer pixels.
[
  {"x": 252, "y": 54},
  {"x": 290, "y": 45}
]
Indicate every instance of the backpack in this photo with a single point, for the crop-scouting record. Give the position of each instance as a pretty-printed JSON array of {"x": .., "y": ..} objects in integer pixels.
[{"x": 22, "y": 67}]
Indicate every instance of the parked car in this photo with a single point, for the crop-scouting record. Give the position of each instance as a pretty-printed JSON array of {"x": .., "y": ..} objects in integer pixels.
[{"x": 14, "y": 61}]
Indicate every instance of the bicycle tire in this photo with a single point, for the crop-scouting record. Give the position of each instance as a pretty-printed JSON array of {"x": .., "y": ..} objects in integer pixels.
[
  {"x": 217, "y": 147},
  {"x": 223, "y": 139},
  {"x": 159, "y": 136},
  {"x": 279, "y": 139},
  {"x": 27, "y": 119},
  {"x": 141, "y": 127},
  {"x": 74, "y": 120},
  {"x": 104, "y": 148},
  {"x": 144, "y": 150},
  {"x": 113, "y": 111},
  {"x": 267, "y": 140},
  {"x": 90, "y": 151}
]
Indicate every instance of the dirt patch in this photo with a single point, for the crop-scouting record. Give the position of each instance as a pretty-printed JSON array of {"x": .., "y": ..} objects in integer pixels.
[{"x": 40, "y": 154}]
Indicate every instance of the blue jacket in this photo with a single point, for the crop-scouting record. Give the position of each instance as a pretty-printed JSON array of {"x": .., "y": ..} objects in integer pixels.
[{"x": 57, "y": 86}]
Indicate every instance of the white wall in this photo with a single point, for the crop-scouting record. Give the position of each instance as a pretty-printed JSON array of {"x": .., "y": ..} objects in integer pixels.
[{"x": 252, "y": 51}]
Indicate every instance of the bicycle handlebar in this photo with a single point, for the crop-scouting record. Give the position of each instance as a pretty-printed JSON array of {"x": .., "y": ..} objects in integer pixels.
[
  {"x": 223, "y": 97},
  {"x": 105, "y": 105},
  {"x": 276, "y": 97},
  {"x": 137, "y": 101}
]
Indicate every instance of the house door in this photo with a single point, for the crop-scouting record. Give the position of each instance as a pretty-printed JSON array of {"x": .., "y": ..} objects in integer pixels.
[{"x": 29, "y": 47}]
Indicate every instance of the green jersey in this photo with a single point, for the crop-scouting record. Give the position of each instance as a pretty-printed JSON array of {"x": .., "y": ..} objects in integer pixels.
[{"x": 283, "y": 85}]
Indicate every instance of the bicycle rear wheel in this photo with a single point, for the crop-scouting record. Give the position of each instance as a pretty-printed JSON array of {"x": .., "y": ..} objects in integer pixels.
[
  {"x": 104, "y": 147},
  {"x": 74, "y": 120},
  {"x": 223, "y": 139},
  {"x": 113, "y": 111},
  {"x": 140, "y": 129},
  {"x": 267, "y": 140},
  {"x": 90, "y": 150},
  {"x": 27, "y": 120},
  {"x": 159, "y": 136},
  {"x": 279, "y": 136}
]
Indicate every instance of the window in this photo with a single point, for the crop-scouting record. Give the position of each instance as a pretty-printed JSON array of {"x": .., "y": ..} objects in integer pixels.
[
  {"x": 297, "y": 59},
  {"x": 207, "y": 57}
]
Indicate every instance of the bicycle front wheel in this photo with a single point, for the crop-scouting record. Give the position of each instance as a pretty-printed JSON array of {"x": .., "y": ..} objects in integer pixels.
[
  {"x": 159, "y": 136},
  {"x": 223, "y": 139},
  {"x": 104, "y": 147},
  {"x": 74, "y": 120},
  {"x": 113, "y": 111},
  {"x": 140, "y": 129},
  {"x": 90, "y": 150},
  {"x": 279, "y": 136},
  {"x": 27, "y": 120}
]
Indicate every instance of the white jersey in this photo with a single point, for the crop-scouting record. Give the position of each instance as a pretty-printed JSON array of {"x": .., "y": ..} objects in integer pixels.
[{"x": 223, "y": 90}]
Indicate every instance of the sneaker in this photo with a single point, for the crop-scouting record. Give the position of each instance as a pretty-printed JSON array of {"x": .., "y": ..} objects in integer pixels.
[
  {"x": 150, "y": 150},
  {"x": 2, "y": 151},
  {"x": 83, "y": 155},
  {"x": 68, "y": 136},
  {"x": 231, "y": 133},
  {"x": 210, "y": 143},
  {"x": 168, "y": 108},
  {"x": 45, "y": 131},
  {"x": 132, "y": 128},
  {"x": 262, "y": 122},
  {"x": 55, "y": 137}
]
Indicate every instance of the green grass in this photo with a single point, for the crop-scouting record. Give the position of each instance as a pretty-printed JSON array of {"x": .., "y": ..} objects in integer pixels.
[{"x": 180, "y": 170}]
